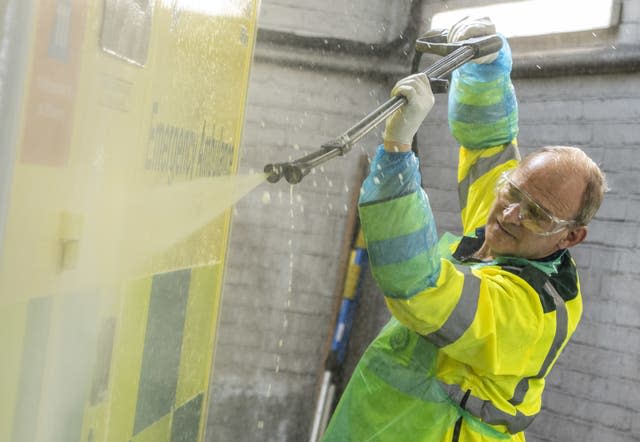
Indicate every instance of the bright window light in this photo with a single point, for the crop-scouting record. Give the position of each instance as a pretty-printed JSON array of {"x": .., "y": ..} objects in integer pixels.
[
  {"x": 227, "y": 8},
  {"x": 539, "y": 17}
]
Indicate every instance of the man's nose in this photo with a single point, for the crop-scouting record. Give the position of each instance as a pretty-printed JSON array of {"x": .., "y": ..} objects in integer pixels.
[{"x": 511, "y": 213}]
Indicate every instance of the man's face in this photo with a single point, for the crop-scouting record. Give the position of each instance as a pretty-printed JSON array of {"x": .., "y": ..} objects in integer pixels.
[{"x": 554, "y": 189}]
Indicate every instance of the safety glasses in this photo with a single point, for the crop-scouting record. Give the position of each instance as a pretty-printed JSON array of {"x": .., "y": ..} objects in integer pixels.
[{"x": 532, "y": 216}]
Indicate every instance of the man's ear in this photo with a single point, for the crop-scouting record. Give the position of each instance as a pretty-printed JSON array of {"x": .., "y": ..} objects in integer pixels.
[{"x": 574, "y": 236}]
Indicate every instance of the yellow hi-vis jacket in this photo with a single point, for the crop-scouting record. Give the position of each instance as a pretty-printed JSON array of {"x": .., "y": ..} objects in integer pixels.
[{"x": 465, "y": 355}]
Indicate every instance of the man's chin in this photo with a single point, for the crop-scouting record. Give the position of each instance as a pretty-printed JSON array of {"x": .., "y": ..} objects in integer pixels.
[{"x": 500, "y": 242}]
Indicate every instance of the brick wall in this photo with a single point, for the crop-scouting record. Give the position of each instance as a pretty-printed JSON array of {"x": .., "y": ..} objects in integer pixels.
[
  {"x": 282, "y": 263},
  {"x": 286, "y": 240},
  {"x": 370, "y": 21}
]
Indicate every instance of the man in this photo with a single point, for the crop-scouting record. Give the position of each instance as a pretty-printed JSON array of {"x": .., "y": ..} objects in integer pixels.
[{"x": 478, "y": 321}]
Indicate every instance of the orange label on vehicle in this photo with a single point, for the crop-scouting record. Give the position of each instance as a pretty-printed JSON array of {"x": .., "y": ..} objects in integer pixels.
[{"x": 52, "y": 86}]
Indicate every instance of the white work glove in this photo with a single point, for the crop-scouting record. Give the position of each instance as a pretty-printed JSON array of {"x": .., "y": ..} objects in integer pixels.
[
  {"x": 403, "y": 124},
  {"x": 470, "y": 27}
]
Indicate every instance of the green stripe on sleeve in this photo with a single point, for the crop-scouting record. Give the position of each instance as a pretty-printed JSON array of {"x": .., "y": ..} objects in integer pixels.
[
  {"x": 491, "y": 134},
  {"x": 405, "y": 279},
  {"x": 480, "y": 94},
  {"x": 395, "y": 217}
]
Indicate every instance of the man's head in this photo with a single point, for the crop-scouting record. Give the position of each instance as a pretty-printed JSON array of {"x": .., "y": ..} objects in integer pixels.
[{"x": 545, "y": 204}]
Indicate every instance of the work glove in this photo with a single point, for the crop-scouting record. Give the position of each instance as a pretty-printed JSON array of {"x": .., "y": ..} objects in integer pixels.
[
  {"x": 470, "y": 27},
  {"x": 403, "y": 124}
]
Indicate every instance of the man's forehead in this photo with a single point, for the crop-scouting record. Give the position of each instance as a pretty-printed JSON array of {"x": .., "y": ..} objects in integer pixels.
[
  {"x": 552, "y": 182},
  {"x": 548, "y": 165}
]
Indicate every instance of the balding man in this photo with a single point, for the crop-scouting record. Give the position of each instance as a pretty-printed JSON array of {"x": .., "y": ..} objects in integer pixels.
[{"x": 478, "y": 320}]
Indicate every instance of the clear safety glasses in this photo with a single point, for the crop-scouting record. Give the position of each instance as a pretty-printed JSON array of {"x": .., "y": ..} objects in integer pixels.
[{"x": 532, "y": 216}]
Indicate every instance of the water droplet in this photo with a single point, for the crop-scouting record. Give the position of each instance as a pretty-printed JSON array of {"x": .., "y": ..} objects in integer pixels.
[
  {"x": 263, "y": 124},
  {"x": 298, "y": 198},
  {"x": 401, "y": 178},
  {"x": 379, "y": 167},
  {"x": 330, "y": 206},
  {"x": 376, "y": 180},
  {"x": 260, "y": 425},
  {"x": 296, "y": 147},
  {"x": 539, "y": 67},
  {"x": 346, "y": 208},
  {"x": 346, "y": 188},
  {"x": 266, "y": 198}
]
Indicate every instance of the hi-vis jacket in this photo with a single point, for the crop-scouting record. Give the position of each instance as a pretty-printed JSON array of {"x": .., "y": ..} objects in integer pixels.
[{"x": 465, "y": 355}]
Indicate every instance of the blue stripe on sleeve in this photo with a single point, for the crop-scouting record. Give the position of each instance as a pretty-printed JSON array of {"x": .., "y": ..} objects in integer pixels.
[
  {"x": 402, "y": 248},
  {"x": 392, "y": 174},
  {"x": 468, "y": 113}
]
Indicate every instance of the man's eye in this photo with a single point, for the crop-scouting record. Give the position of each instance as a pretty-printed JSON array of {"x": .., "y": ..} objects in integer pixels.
[
  {"x": 536, "y": 213},
  {"x": 513, "y": 194}
]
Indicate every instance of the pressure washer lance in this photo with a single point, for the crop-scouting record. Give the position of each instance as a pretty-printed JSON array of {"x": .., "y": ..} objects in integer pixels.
[{"x": 453, "y": 55}]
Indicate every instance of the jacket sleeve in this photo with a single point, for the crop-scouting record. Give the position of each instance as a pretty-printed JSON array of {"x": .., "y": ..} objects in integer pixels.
[
  {"x": 483, "y": 110},
  {"x": 398, "y": 226},
  {"x": 483, "y": 118}
]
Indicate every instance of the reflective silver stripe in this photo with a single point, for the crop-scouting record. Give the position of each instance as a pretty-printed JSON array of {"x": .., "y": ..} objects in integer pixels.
[
  {"x": 482, "y": 166},
  {"x": 562, "y": 324},
  {"x": 463, "y": 313},
  {"x": 487, "y": 412}
]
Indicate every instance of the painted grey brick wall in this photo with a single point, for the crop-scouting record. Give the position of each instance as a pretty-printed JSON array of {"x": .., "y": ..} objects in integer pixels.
[
  {"x": 370, "y": 21},
  {"x": 282, "y": 262},
  {"x": 285, "y": 243}
]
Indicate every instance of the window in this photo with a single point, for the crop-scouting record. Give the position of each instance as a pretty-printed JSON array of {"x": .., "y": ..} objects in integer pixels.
[{"x": 539, "y": 17}]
